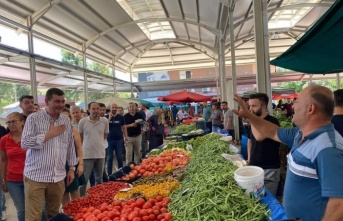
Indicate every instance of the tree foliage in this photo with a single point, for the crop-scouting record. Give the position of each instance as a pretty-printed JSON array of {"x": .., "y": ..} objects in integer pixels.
[
  {"x": 9, "y": 92},
  {"x": 298, "y": 85},
  {"x": 76, "y": 95}
]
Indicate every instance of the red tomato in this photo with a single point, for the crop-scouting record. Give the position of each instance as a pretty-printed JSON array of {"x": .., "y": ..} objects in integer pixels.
[
  {"x": 156, "y": 212},
  {"x": 136, "y": 219},
  {"x": 140, "y": 202},
  {"x": 168, "y": 216},
  {"x": 143, "y": 212},
  {"x": 160, "y": 217},
  {"x": 166, "y": 199},
  {"x": 164, "y": 210},
  {"x": 145, "y": 218},
  {"x": 147, "y": 205},
  {"x": 100, "y": 216},
  {"x": 132, "y": 215},
  {"x": 152, "y": 217},
  {"x": 159, "y": 198}
]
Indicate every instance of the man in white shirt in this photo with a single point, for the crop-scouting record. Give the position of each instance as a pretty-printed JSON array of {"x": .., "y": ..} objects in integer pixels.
[
  {"x": 93, "y": 130},
  {"x": 48, "y": 138}
]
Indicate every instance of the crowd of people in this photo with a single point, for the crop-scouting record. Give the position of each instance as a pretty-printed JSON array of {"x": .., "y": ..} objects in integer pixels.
[{"x": 47, "y": 156}]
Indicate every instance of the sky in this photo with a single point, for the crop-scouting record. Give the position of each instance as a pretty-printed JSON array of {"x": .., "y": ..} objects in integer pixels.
[{"x": 20, "y": 40}]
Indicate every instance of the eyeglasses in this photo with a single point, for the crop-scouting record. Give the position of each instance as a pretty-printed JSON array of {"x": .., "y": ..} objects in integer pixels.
[{"x": 11, "y": 122}]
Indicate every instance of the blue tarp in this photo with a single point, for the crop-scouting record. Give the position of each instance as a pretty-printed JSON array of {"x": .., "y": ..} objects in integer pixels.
[{"x": 277, "y": 211}]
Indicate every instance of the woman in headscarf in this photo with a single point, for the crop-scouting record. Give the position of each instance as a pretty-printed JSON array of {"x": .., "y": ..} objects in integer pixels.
[{"x": 156, "y": 124}]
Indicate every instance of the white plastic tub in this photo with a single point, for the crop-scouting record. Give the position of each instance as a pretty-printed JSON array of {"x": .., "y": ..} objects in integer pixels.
[{"x": 251, "y": 180}]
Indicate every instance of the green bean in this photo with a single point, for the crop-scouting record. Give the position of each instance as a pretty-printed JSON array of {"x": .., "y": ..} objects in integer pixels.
[{"x": 213, "y": 193}]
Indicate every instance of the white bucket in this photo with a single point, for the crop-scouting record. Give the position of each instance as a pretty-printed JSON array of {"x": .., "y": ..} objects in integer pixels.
[{"x": 251, "y": 180}]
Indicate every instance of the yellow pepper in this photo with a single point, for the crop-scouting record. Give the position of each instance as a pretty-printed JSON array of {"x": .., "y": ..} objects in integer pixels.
[{"x": 149, "y": 191}]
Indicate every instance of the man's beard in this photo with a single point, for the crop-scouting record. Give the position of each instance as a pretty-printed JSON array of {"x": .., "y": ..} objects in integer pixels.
[
  {"x": 258, "y": 113},
  {"x": 95, "y": 115},
  {"x": 114, "y": 112}
]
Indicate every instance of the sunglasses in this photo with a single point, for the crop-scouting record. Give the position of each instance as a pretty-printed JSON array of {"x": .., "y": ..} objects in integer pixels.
[{"x": 11, "y": 122}]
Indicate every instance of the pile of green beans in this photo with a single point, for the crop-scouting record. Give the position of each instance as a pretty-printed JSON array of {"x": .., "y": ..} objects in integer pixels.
[{"x": 209, "y": 191}]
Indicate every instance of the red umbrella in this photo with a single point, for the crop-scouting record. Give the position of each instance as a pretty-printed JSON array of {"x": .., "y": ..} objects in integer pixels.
[
  {"x": 185, "y": 96},
  {"x": 284, "y": 96},
  {"x": 173, "y": 102}
]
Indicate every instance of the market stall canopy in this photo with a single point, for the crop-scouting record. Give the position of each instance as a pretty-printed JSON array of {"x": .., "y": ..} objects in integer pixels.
[
  {"x": 185, "y": 96},
  {"x": 140, "y": 101},
  {"x": 275, "y": 91},
  {"x": 110, "y": 100},
  {"x": 320, "y": 50}
]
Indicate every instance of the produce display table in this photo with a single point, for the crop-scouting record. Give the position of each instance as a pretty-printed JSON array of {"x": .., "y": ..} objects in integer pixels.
[{"x": 176, "y": 185}]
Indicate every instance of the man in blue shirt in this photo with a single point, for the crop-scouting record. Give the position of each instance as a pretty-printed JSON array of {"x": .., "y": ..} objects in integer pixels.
[
  {"x": 174, "y": 111},
  {"x": 314, "y": 184}
]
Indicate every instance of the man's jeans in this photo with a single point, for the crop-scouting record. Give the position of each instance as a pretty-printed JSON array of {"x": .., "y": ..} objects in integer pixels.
[
  {"x": 88, "y": 165},
  {"x": 117, "y": 147},
  {"x": 271, "y": 179}
]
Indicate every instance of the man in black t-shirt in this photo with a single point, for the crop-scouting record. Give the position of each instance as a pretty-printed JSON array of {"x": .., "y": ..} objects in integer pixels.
[
  {"x": 264, "y": 154},
  {"x": 133, "y": 122},
  {"x": 117, "y": 138},
  {"x": 337, "y": 118}
]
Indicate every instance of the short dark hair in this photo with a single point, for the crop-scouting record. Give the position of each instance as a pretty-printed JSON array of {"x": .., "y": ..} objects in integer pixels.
[
  {"x": 338, "y": 95},
  {"x": 25, "y": 96},
  {"x": 53, "y": 91},
  {"x": 217, "y": 104},
  {"x": 261, "y": 97},
  {"x": 90, "y": 104},
  {"x": 224, "y": 102},
  {"x": 102, "y": 105},
  {"x": 36, "y": 105}
]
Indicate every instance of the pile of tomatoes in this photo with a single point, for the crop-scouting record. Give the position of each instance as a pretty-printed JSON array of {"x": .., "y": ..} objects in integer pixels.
[
  {"x": 161, "y": 164},
  {"x": 98, "y": 194},
  {"x": 129, "y": 210}
]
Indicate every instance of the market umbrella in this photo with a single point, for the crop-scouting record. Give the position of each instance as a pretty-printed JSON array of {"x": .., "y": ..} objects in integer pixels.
[
  {"x": 185, "y": 96},
  {"x": 173, "y": 102},
  {"x": 284, "y": 96},
  {"x": 110, "y": 100}
]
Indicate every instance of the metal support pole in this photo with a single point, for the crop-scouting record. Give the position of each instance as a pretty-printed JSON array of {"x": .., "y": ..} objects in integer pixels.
[
  {"x": 217, "y": 78},
  {"x": 222, "y": 71},
  {"x": 132, "y": 96},
  {"x": 262, "y": 48},
  {"x": 338, "y": 81},
  {"x": 114, "y": 79},
  {"x": 33, "y": 76},
  {"x": 311, "y": 75},
  {"x": 233, "y": 69},
  {"x": 85, "y": 84}
]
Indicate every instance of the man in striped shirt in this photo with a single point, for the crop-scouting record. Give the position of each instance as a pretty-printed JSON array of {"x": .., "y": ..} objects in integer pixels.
[
  {"x": 314, "y": 185},
  {"x": 48, "y": 138}
]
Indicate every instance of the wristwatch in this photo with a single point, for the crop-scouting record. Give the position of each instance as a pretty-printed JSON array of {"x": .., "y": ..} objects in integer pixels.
[{"x": 72, "y": 168}]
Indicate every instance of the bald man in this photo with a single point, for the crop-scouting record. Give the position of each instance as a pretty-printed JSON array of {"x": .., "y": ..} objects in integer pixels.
[{"x": 314, "y": 185}]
